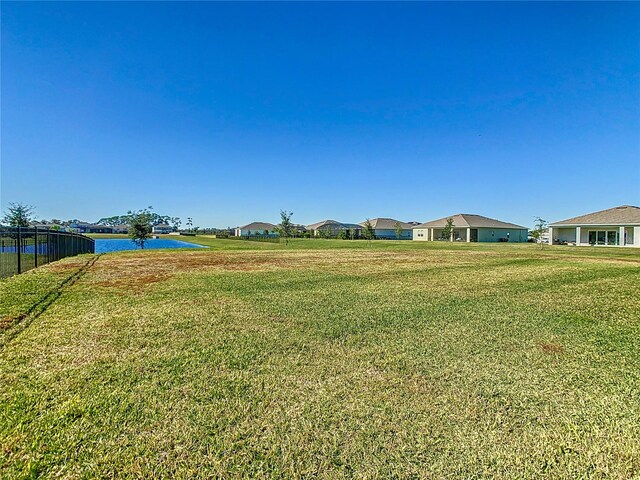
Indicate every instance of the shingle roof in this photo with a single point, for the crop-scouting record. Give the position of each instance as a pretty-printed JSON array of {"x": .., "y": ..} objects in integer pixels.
[
  {"x": 469, "y": 220},
  {"x": 258, "y": 226},
  {"x": 323, "y": 223},
  {"x": 622, "y": 215},
  {"x": 330, "y": 224},
  {"x": 386, "y": 224}
]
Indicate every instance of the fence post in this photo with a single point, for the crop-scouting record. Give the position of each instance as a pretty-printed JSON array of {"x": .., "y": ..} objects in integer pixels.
[
  {"x": 35, "y": 247},
  {"x": 19, "y": 251}
]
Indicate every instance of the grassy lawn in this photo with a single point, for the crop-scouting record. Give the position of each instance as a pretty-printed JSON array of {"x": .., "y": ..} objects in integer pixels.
[{"x": 329, "y": 359}]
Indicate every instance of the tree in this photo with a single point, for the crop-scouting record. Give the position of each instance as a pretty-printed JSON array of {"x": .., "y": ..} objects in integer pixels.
[
  {"x": 176, "y": 222},
  {"x": 541, "y": 227},
  {"x": 399, "y": 230},
  {"x": 189, "y": 223},
  {"x": 447, "y": 231},
  {"x": 285, "y": 228},
  {"x": 369, "y": 232},
  {"x": 18, "y": 215},
  {"x": 140, "y": 226}
]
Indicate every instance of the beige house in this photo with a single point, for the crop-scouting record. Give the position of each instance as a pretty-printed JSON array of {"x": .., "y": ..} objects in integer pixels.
[
  {"x": 619, "y": 226},
  {"x": 471, "y": 228}
]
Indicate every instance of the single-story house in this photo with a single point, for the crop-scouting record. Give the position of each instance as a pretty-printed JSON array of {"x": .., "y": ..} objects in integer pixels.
[
  {"x": 161, "y": 229},
  {"x": 122, "y": 228},
  {"x": 256, "y": 228},
  {"x": 618, "y": 226},
  {"x": 471, "y": 228},
  {"x": 333, "y": 228},
  {"x": 84, "y": 227},
  {"x": 385, "y": 228}
]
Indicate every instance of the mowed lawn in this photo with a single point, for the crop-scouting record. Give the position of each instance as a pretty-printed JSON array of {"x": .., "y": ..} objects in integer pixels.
[{"x": 324, "y": 359}]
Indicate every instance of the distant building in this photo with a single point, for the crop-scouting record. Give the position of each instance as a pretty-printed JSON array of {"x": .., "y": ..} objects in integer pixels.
[
  {"x": 385, "y": 228},
  {"x": 120, "y": 228},
  {"x": 332, "y": 228},
  {"x": 84, "y": 227},
  {"x": 162, "y": 229},
  {"x": 256, "y": 228},
  {"x": 619, "y": 226},
  {"x": 471, "y": 228}
]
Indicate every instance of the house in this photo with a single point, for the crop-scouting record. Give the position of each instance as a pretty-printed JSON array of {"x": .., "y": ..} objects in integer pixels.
[
  {"x": 84, "y": 227},
  {"x": 471, "y": 228},
  {"x": 385, "y": 228},
  {"x": 618, "y": 226},
  {"x": 256, "y": 228},
  {"x": 332, "y": 228},
  {"x": 162, "y": 228},
  {"x": 120, "y": 228}
]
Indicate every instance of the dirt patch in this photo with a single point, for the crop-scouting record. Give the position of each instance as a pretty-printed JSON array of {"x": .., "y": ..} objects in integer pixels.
[
  {"x": 551, "y": 348},
  {"x": 136, "y": 271},
  {"x": 7, "y": 320}
]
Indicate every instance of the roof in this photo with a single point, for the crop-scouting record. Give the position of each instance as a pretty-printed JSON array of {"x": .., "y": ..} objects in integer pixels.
[
  {"x": 471, "y": 221},
  {"x": 622, "y": 215},
  {"x": 332, "y": 223},
  {"x": 258, "y": 226},
  {"x": 386, "y": 224},
  {"x": 323, "y": 223}
]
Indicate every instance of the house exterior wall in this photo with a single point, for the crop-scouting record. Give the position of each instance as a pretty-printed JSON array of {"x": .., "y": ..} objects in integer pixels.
[
  {"x": 484, "y": 234},
  {"x": 421, "y": 234},
  {"x": 628, "y": 236},
  {"x": 516, "y": 235},
  {"x": 564, "y": 235}
]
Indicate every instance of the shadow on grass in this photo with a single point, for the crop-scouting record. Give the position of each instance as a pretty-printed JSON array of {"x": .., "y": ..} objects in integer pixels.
[{"x": 21, "y": 322}]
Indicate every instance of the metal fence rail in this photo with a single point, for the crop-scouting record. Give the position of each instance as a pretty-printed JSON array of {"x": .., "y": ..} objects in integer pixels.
[{"x": 24, "y": 248}]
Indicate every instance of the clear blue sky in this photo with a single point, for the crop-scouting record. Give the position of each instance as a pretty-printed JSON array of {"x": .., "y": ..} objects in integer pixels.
[{"x": 230, "y": 112}]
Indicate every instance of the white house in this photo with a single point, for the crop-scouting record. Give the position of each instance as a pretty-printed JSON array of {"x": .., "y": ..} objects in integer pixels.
[
  {"x": 255, "y": 228},
  {"x": 471, "y": 228},
  {"x": 619, "y": 226}
]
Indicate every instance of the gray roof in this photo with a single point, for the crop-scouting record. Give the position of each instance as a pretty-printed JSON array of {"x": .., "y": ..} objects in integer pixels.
[
  {"x": 622, "y": 215},
  {"x": 324, "y": 223},
  {"x": 258, "y": 226},
  {"x": 386, "y": 224},
  {"x": 471, "y": 221}
]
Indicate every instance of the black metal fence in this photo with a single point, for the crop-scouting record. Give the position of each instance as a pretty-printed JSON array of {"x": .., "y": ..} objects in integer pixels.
[{"x": 24, "y": 248}]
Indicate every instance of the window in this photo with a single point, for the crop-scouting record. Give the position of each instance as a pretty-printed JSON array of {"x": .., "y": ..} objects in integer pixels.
[{"x": 603, "y": 237}]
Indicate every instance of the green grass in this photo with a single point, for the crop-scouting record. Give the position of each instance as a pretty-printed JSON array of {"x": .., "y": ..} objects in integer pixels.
[{"x": 325, "y": 359}]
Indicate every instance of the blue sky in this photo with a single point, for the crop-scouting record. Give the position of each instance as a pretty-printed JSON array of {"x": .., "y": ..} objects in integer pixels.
[{"x": 230, "y": 112}]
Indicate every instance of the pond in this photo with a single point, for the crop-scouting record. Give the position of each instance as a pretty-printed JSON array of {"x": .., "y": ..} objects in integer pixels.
[{"x": 119, "y": 244}]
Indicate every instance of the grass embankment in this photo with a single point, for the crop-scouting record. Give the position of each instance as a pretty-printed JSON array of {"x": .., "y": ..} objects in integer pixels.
[{"x": 398, "y": 359}]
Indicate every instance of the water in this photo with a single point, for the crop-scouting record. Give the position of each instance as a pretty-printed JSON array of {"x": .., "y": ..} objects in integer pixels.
[{"x": 119, "y": 244}]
